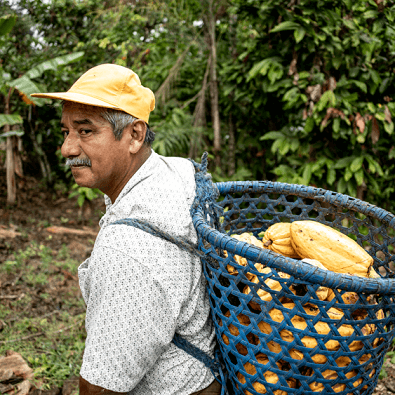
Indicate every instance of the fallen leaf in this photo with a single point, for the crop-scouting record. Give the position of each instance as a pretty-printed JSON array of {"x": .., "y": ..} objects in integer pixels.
[
  {"x": 360, "y": 122},
  {"x": 332, "y": 113},
  {"x": 332, "y": 83}
]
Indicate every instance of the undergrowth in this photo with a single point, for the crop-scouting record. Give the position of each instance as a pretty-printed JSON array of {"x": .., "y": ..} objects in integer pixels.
[{"x": 51, "y": 343}]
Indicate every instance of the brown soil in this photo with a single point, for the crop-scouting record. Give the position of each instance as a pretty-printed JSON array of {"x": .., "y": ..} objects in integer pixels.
[{"x": 38, "y": 208}]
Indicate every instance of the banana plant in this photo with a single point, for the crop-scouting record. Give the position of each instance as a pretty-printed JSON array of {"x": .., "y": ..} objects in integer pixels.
[{"x": 25, "y": 85}]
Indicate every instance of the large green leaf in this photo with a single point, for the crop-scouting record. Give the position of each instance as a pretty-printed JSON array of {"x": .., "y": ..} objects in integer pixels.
[
  {"x": 26, "y": 87},
  {"x": 7, "y": 22},
  {"x": 263, "y": 66},
  {"x": 53, "y": 64},
  {"x": 287, "y": 25},
  {"x": 10, "y": 119}
]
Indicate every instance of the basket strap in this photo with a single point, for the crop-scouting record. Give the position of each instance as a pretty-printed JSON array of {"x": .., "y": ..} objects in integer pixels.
[{"x": 181, "y": 242}]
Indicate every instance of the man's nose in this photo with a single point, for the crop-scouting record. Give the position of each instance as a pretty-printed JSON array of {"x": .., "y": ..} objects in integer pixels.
[{"x": 71, "y": 146}]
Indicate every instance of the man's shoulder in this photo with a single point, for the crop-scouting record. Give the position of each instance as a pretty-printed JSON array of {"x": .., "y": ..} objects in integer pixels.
[
  {"x": 181, "y": 165},
  {"x": 131, "y": 241}
]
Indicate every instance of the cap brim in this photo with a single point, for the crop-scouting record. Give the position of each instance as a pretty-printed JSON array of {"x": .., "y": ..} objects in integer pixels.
[{"x": 75, "y": 97}]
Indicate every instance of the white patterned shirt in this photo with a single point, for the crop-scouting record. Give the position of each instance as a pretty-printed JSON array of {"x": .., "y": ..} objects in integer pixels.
[{"x": 140, "y": 289}]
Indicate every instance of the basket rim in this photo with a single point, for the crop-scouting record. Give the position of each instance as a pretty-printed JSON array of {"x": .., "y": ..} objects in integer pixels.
[{"x": 297, "y": 268}]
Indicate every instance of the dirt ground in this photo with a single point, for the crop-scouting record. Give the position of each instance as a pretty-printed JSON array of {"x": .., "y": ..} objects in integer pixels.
[{"x": 37, "y": 209}]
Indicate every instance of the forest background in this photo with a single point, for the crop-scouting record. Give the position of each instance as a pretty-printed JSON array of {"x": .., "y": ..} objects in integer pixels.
[{"x": 296, "y": 91}]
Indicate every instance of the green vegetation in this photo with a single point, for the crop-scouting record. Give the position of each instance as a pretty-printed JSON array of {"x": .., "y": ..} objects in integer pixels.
[
  {"x": 303, "y": 91},
  {"x": 52, "y": 342}
]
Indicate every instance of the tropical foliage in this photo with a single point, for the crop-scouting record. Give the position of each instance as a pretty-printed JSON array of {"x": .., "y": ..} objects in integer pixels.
[{"x": 295, "y": 91}]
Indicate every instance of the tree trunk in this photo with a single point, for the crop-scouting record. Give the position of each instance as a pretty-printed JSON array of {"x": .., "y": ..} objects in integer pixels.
[
  {"x": 10, "y": 159},
  {"x": 209, "y": 20},
  {"x": 232, "y": 155},
  {"x": 18, "y": 147},
  {"x": 199, "y": 116},
  {"x": 10, "y": 165}
]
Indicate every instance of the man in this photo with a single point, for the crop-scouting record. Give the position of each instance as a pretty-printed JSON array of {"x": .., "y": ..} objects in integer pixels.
[{"x": 139, "y": 289}]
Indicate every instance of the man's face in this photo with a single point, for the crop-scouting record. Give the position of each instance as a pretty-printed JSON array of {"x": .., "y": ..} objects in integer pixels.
[{"x": 89, "y": 138}]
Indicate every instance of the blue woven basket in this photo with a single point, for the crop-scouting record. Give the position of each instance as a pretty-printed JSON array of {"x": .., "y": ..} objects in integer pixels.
[{"x": 265, "y": 354}]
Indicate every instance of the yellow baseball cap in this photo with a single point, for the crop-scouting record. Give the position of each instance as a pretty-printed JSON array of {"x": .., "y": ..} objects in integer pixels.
[{"x": 110, "y": 86}]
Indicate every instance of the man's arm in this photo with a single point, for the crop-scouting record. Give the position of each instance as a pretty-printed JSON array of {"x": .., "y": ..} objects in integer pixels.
[{"x": 87, "y": 388}]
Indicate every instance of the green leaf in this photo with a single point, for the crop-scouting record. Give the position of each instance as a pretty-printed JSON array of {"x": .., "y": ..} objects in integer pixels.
[
  {"x": 370, "y": 14},
  {"x": 341, "y": 163},
  {"x": 309, "y": 126},
  {"x": 336, "y": 125},
  {"x": 25, "y": 85},
  {"x": 81, "y": 199},
  {"x": 284, "y": 147},
  {"x": 347, "y": 174},
  {"x": 389, "y": 127},
  {"x": 341, "y": 185},
  {"x": 361, "y": 85},
  {"x": 327, "y": 98},
  {"x": 356, "y": 164},
  {"x": 375, "y": 76},
  {"x": 7, "y": 22},
  {"x": 359, "y": 176},
  {"x": 277, "y": 145},
  {"x": 371, "y": 107},
  {"x": 380, "y": 116},
  {"x": 351, "y": 189},
  {"x": 10, "y": 119},
  {"x": 272, "y": 136},
  {"x": 371, "y": 163},
  {"x": 307, "y": 173},
  {"x": 379, "y": 170},
  {"x": 331, "y": 175},
  {"x": 299, "y": 33},
  {"x": 275, "y": 73},
  {"x": 303, "y": 75},
  {"x": 90, "y": 194},
  {"x": 351, "y": 98},
  {"x": 287, "y": 25},
  {"x": 291, "y": 94},
  {"x": 53, "y": 64},
  {"x": 294, "y": 144},
  {"x": 262, "y": 67},
  {"x": 337, "y": 62}
]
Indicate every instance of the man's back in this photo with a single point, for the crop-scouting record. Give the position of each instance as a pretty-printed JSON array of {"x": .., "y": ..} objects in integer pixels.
[{"x": 140, "y": 289}]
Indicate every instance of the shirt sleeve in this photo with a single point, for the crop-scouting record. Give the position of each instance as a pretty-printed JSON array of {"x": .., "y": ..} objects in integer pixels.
[{"x": 129, "y": 320}]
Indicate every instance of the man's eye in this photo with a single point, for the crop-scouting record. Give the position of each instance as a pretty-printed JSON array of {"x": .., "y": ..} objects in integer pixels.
[
  {"x": 85, "y": 131},
  {"x": 65, "y": 133}
]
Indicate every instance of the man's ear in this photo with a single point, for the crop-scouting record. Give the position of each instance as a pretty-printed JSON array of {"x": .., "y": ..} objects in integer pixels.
[{"x": 137, "y": 131}]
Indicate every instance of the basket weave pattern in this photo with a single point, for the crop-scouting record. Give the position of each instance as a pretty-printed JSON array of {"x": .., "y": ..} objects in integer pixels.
[{"x": 273, "y": 345}]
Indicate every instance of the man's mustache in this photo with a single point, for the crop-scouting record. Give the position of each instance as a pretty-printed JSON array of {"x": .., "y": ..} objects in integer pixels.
[{"x": 78, "y": 162}]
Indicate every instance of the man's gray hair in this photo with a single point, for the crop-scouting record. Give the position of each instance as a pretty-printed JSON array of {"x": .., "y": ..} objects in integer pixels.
[{"x": 120, "y": 119}]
